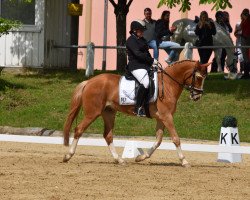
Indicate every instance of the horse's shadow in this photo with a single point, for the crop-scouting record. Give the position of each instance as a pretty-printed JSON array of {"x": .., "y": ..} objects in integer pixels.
[
  {"x": 171, "y": 164},
  {"x": 163, "y": 164}
]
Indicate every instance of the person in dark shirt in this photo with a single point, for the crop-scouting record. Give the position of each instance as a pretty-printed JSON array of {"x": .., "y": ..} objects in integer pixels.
[
  {"x": 205, "y": 30},
  {"x": 226, "y": 20},
  {"x": 139, "y": 62},
  {"x": 222, "y": 18},
  {"x": 163, "y": 34},
  {"x": 149, "y": 34},
  {"x": 245, "y": 41}
]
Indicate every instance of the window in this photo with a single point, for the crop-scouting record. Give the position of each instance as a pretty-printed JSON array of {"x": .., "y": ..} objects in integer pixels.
[{"x": 18, "y": 10}]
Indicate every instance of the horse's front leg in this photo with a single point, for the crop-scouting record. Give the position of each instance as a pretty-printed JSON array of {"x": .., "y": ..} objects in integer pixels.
[
  {"x": 217, "y": 53},
  {"x": 169, "y": 123},
  {"x": 159, "y": 136}
]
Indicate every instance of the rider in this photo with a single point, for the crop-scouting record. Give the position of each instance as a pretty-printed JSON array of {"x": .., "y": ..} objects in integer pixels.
[{"x": 139, "y": 63}]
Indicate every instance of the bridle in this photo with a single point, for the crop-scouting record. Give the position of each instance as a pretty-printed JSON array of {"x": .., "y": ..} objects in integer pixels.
[
  {"x": 191, "y": 88},
  {"x": 231, "y": 66}
]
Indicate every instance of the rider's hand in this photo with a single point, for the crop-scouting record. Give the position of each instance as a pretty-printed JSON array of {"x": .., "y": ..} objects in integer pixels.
[
  {"x": 154, "y": 67},
  {"x": 155, "y": 62}
]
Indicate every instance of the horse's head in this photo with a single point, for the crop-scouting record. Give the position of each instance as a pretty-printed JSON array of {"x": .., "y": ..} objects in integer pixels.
[
  {"x": 195, "y": 80},
  {"x": 178, "y": 33},
  {"x": 184, "y": 31}
]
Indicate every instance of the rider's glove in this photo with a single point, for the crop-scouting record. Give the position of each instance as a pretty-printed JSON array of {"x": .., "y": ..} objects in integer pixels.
[
  {"x": 155, "y": 65},
  {"x": 155, "y": 62}
]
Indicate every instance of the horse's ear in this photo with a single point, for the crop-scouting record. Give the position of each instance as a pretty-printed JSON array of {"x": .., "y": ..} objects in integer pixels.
[
  {"x": 205, "y": 65},
  {"x": 197, "y": 64}
]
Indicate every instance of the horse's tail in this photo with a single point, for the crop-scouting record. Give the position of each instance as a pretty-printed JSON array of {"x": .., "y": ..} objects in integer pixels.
[{"x": 75, "y": 106}]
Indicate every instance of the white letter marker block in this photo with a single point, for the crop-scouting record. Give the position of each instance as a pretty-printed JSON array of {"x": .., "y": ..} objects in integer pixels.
[
  {"x": 131, "y": 150},
  {"x": 229, "y": 136}
]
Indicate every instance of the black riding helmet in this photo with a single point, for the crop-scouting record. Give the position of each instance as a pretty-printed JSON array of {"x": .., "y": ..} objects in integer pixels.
[{"x": 137, "y": 25}]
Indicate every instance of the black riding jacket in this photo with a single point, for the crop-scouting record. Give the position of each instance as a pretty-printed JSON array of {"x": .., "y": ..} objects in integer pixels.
[
  {"x": 138, "y": 53},
  {"x": 205, "y": 34}
]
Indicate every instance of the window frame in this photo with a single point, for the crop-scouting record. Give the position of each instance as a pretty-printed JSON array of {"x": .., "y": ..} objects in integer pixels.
[{"x": 36, "y": 28}]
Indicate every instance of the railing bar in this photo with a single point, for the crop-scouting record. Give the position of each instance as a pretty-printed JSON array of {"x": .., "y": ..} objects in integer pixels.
[{"x": 123, "y": 47}]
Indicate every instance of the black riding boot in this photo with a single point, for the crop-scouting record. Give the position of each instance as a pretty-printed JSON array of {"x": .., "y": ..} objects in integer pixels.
[{"x": 140, "y": 98}]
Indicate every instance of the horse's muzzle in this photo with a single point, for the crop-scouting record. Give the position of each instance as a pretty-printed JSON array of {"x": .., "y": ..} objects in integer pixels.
[{"x": 195, "y": 97}]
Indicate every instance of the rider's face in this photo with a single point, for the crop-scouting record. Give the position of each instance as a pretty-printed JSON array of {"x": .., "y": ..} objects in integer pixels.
[
  {"x": 139, "y": 33},
  {"x": 148, "y": 15}
]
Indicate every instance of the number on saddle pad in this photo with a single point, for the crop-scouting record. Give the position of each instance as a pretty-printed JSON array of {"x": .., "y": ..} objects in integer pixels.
[{"x": 128, "y": 90}]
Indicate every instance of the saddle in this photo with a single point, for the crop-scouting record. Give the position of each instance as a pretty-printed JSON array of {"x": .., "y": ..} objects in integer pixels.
[{"x": 128, "y": 87}]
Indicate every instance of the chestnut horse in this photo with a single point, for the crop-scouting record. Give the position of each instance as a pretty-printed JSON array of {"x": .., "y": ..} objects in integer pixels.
[{"x": 99, "y": 96}]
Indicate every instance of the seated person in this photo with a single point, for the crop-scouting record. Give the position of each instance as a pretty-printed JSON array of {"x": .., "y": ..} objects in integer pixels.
[{"x": 163, "y": 37}]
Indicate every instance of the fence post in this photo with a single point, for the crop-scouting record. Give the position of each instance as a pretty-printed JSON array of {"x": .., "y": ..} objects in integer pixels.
[
  {"x": 90, "y": 59},
  {"x": 188, "y": 51}
]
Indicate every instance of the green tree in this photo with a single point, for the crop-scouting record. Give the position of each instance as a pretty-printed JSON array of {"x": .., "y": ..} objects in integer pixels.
[
  {"x": 186, "y": 4},
  {"x": 6, "y": 25}
]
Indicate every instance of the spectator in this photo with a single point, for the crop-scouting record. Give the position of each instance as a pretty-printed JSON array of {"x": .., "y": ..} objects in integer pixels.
[
  {"x": 245, "y": 41},
  {"x": 149, "y": 33},
  {"x": 226, "y": 20},
  {"x": 237, "y": 34},
  {"x": 163, "y": 35},
  {"x": 205, "y": 30},
  {"x": 222, "y": 18}
]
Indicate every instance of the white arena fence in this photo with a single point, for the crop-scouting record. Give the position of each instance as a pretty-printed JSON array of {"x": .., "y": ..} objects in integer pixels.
[
  {"x": 122, "y": 143},
  {"x": 188, "y": 52}
]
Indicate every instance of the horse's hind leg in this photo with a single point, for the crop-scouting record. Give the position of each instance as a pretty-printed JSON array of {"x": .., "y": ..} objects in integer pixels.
[
  {"x": 159, "y": 136},
  {"x": 108, "y": 116},
  {"x": 78, "y": 133}
]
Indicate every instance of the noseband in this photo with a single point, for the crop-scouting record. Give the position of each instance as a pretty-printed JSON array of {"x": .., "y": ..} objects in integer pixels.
[{"x": 191, "y": 88}]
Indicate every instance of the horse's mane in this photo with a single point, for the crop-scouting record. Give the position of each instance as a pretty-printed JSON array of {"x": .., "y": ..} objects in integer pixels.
[
  {"x": 181, "y": 61},
  {"x": 184, "y": 20}
]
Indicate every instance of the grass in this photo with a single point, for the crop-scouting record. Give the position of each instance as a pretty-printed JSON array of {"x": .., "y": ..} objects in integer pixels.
[{"x": 42, "y": 100}]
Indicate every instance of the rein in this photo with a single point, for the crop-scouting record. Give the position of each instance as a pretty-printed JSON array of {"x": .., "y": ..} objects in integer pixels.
[{"x": 190, "y": 88}]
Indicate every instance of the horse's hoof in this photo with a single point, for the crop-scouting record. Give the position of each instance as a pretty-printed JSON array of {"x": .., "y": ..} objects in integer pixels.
[
  {"x": 66, "y": 158},
  {"x": 120, "y": 161},
  {"x": 186, "y": 165},
  {"x": 140, "y": 158},
  {"x": 233, "y": 76}
]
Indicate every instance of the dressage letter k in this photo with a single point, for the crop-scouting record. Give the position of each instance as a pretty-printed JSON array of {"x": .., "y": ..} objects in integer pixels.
[
  {"x": 234, "y": 139},
  {"x": 223, "y": 138}
]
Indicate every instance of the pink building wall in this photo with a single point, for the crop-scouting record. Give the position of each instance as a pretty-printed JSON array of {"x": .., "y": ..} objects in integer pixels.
[{"x": 136, "y": 12}]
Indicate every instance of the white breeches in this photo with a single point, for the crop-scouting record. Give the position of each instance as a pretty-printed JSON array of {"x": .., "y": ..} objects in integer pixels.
[{"x": 142, "y": 76}]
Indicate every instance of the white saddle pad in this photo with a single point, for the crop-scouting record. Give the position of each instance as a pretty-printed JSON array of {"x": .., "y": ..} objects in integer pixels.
[{"x": 127, "y": 91}]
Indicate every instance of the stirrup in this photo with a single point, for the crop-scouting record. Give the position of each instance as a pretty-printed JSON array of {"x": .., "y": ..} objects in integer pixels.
[{"x": 139, "y": 112}]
